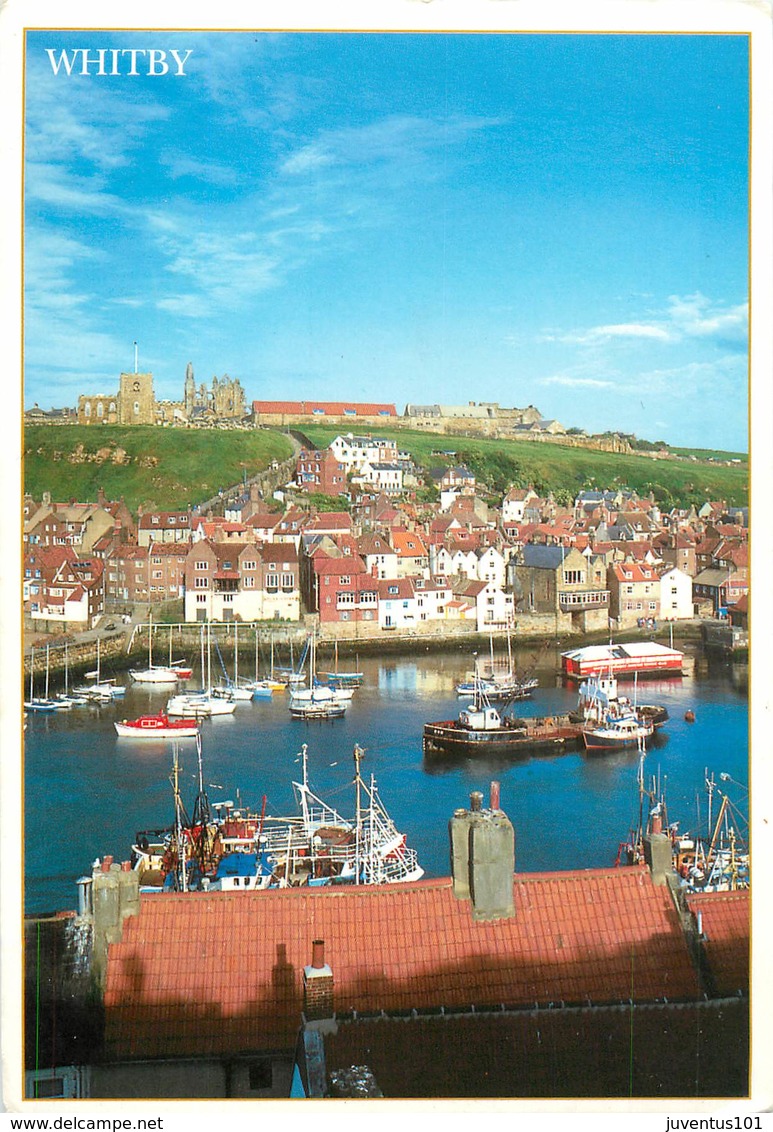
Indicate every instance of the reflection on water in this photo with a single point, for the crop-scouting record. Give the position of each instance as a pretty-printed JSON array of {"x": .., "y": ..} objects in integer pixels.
[{"x": 87, "y": 792}]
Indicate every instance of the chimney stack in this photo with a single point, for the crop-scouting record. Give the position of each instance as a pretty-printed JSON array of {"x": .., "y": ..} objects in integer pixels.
[
  {"x": 317, "y": 986},
  {"x": 483, "y": 857}
]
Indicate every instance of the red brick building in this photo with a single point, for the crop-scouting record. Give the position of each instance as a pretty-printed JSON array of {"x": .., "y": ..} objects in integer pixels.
[{"x": 319, "y": 470}]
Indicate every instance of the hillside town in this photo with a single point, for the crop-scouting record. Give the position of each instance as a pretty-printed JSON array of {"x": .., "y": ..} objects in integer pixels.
[{"x": 385, "y": 562}]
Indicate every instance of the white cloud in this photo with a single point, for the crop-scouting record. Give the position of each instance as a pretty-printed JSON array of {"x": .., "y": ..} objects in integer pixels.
[
  {"x": 397, "y": 141},
  {"x": 181, "y": 165},
  {"x": 577, "y": 382},
  {"x": 697, "y": 317},
  {"x": 693, "y": 316}
]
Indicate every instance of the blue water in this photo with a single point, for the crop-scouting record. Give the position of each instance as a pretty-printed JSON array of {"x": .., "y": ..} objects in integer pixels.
[{"x": 88, "y": 792}]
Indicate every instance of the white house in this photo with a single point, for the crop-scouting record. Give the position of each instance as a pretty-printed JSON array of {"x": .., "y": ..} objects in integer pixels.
[
  {"x": 443, "y": 560},
  {"x": 382, "y": 476},
  {"x": 355, "y": 451},
  {"x": 676, "y": 600},
  {"x": 494, "y": 609},
  {"x": 379, "y": 557},
  {"x": 515, "y": 502},
  {"x": 492, "y": 566},
  {"x": 397, "y": 604},
  {"x": 433, "y": 596}
]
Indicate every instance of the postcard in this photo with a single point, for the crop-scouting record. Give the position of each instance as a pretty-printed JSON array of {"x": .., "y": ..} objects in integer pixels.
[{"x": 385, "y": 391}]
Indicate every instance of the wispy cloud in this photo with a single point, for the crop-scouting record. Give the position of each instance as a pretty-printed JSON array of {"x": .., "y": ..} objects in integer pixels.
[
  {"x": 181, "y": 165},
  {"x": 577, "y": 382},
  {"x": 397, "y": 141},
  {"x": 691, "y": 316}
]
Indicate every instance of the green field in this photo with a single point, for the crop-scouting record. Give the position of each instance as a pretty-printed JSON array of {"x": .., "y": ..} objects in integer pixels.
[
  {"x": 158, "y": 468},
  {"x": 563, "y": 470}
]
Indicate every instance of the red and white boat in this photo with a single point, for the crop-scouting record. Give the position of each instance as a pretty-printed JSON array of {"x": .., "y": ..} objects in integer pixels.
[
  {"x": 157, "y": 727},
  {"x": 642, "y": 657}
]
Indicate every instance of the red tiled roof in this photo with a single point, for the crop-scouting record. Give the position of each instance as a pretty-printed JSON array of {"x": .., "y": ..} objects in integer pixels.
[
  {"x": 198, "y": 973},
  {"x": 329, "y": 408},
  {"x": 330, "y": 521},
  {"x": 726, "y": 928}
]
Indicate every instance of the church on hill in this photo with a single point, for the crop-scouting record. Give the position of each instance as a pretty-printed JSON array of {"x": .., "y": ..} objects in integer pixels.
[{"x": 134, "y": 403}]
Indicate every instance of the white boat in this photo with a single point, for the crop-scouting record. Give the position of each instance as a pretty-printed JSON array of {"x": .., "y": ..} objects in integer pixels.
[
  {"x": 617, "y": 731},
  {"x": 198, "y": 704},
  {"x": 312, "y": 709},
  {"x": 100, "y": 691},
  {"x": 39, "y": 703},
  {"x": 319, "y": 701},
  {"x": 598, "y": 700},
  {"x": 158, "y": 673}
]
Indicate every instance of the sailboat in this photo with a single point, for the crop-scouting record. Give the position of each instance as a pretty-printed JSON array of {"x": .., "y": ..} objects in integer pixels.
[
  {"x": 338, "y": 679},
  {"x": 155, "y": 673},
  {"x": 208, "y": 702},
  {"x": 100, "y": 691},
  {"x": 39, "y": 703},
  {"x": 318, "y": 701},
  {"x": 241, "y": 692}
]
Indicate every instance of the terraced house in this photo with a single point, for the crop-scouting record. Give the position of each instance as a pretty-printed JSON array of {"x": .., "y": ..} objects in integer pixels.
[{"x": 226, "y": 581}]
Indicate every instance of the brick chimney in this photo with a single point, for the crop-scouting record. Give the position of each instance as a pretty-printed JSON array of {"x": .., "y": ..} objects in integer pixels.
[{"x": 317, "y": 986}]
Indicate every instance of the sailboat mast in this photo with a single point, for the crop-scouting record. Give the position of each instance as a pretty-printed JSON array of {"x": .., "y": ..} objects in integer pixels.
[
  {"x": 236, "y": 652},
  {"x": 358, "y": 826},
  {"x": 32, "y": 673},
  {"x": 47, "y": 648}
]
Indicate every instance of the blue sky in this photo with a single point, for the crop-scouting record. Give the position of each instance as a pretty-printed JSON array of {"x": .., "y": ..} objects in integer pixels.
[{"x": 556, "y": 220}]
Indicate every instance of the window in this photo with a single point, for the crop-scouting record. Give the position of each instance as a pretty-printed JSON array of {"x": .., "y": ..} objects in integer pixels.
[
  {"x": 201, "y": 565},
  {"x": 272, "y": 582},
  {"x": 345, "y": 598},
  {"x": 345, "y": 580},
  {"x": 288, "y": 581},
  {"x": 249, "y": 583},
  {"x": 201, "y": 598},
  {"x": 228, "y": 597},
  {"x": 157, "y": 574},
  {"x": 201, "y": 583},
  {"x": 249, "y": 565}
]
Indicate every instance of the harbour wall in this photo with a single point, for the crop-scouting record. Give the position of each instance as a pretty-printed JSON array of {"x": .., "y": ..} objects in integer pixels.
[{"x": 119, "y": 652}]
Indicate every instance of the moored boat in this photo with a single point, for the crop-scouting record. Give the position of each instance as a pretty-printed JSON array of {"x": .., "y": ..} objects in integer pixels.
[
  {"x": 483, "y": 728},
  {"x": 598, "y": 699},
  {"x": 158, "y": 726},
  {"x": 616, "y": 732},
  {"x": 642, "y": 657},
  {"x": 227, "y": 849},
  {"x": 714, "y": 858}
]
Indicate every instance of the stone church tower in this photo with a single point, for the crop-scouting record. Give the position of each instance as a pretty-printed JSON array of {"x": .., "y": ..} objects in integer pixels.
[
  {"x": 136, "y": 400},
  {"x": 189, "y": 397}
]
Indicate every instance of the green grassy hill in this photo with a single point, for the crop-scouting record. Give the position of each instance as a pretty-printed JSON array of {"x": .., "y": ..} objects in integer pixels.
[
  {"x": 678, "y": 481},
  {"x": 162, "y": 469}
]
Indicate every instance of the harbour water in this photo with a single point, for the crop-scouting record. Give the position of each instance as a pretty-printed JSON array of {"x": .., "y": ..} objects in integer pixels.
[{"x": 87, "y": 792}]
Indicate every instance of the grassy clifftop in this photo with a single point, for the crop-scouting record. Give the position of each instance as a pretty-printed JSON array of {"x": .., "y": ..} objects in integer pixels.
[
  {"x": 158, "y": 468},
  {"x": 677, "y": 481}
]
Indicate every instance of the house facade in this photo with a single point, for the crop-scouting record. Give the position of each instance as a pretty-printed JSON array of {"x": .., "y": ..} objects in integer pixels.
[{"x": 225, "y": 581}]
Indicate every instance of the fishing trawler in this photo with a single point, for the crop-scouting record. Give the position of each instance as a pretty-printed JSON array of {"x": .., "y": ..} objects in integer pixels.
[
  {"x": 715, "y": 858},
  {"x": 223, "y": 848}
]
